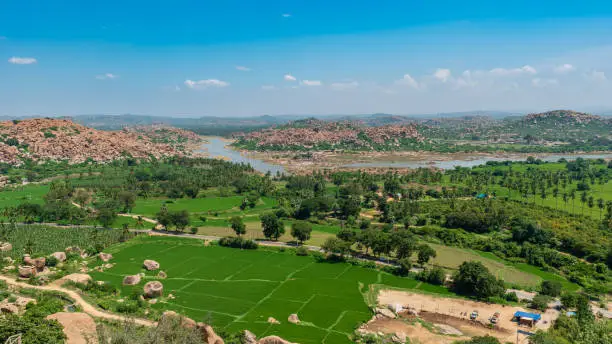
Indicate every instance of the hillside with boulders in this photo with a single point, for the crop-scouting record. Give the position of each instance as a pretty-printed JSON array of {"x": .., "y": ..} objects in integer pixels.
[
  {"x": 321, "y": 135},
  {"x": 42, "y": 139}
]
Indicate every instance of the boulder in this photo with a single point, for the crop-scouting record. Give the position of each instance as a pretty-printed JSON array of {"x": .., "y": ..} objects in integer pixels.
[
  {"x": 273, "y": 321},
  {"x": 60, "y": 256},
  {"x": 77, "y": 278},
  {"x": 27, "y": 271},
  {"x": 5, "y": 246},
  {"x": 293, "y": 318},
  {"x": 9, "y": 308},
  {"x": 105, "y": 257},
  {"x": 40, "y": 263},
  {"x": 27, "y": 260},
  {"x": 399, "y": 337},
  {"x": 185, "y": 322},
  {"x": 162, "y": 275},
  {"x": 131, "y": 280},
  {"x": 150, "y": 265},
  {"x": 208, "y": 334},
  {"x": 273, "y": 340},
  {"x": 249, "y": 337},
  {"x": 385, "y": 313},
  {"x": 153, "y": 289},
  {"x": 9, "y": 260},
  {"x": 73, "y": 249}
]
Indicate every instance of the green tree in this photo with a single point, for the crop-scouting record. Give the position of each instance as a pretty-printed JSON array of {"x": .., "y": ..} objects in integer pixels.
[
  {"x": 301, "y": 231},
  {"x": 272, "y": 226},
  {"x": 106, "y": 216},
  {"x": 127, "y": 199},
  {"x": 474, "y": 279},
  {"x": 424, "y": 253},
  {"x": 238, "y": 225},
  {"x": 551, "y": 288},
  {"x": 180, "y": 219}
]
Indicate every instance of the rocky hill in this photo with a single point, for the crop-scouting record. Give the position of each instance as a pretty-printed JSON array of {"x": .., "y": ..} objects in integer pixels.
[
  {"x": 61, "y": 139},
  {"x": 317, "y": 134},
  {"x": 562, "y": 116}
]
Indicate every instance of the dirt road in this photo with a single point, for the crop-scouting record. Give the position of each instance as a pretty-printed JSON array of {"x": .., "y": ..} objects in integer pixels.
[{"x": 78, "y": 299}]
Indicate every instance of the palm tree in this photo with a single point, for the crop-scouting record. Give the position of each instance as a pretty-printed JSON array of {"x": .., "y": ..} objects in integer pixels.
[
  {"x": 583, "y": 200},
  {"x": 556, "y": 196},
  {"x": 573, "y": 197},
  {"x": 600, "y": 205},
  {"x": 565, "y": 199}
]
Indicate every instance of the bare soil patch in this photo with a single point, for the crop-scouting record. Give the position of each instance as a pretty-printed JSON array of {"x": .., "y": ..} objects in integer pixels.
[
  {"x": 80, "y": 328},
  {"x": 456, "y": 312}
]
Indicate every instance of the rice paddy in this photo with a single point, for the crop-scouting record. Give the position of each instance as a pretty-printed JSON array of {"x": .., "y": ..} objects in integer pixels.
[{"x": 240, "y": 289}]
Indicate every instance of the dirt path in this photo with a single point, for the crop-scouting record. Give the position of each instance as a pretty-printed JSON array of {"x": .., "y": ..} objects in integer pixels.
[
  {"x": 135, "y": 217},
  {"x": 85, "y": 306}
]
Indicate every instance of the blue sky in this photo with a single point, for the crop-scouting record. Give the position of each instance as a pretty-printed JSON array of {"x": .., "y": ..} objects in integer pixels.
[{"x": 237, "y": 58}]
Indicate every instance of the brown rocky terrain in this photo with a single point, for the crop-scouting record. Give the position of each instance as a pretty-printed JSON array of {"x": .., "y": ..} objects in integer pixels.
[
  {"x": 310, "y": 133},
  {"x": 61, "y": 139}
]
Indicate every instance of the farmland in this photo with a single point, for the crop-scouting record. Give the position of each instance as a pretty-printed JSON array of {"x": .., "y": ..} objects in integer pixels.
[{"x": 240, "y": 289}]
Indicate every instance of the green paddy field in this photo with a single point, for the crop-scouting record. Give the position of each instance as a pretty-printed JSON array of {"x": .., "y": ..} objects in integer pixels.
[{"x": 239, "y": 289}]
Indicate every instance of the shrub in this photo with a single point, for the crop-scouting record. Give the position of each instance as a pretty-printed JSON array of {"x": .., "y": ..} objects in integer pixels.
[
  {"x": 194, "y": 230},
  {"x": 237, "y": 242},
  {"x": 51, "y": 261},
  {"x": 511, "y": 297},
  {"x": 551, "y": 288},
  {"x": 301, "y": 251},
  {"x": 540, "y": 302}
]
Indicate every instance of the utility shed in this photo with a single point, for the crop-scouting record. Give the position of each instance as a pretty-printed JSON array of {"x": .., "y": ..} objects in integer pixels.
[{"x": 526, "y": 318}]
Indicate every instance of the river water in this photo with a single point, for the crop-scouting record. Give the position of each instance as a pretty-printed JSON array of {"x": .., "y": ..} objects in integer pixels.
[{"x": 216, "y": 147}]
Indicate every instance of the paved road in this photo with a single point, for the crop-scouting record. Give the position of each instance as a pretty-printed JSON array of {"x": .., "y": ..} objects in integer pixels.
[{"x": 86, "y": 307}]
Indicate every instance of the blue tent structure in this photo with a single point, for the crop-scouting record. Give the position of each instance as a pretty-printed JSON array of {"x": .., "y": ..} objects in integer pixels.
[{"x": 527, "y": 318}]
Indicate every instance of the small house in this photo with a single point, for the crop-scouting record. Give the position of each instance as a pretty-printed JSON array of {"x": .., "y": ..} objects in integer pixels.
[{"x": 526, "y": 318}]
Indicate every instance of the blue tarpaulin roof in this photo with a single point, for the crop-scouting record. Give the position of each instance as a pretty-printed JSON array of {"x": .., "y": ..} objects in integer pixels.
[{"x": 527, "y": 315}]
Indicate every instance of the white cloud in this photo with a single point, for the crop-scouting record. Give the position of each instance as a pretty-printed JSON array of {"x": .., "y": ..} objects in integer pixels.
[
  {"x": 22, "y": 60},
  {"x": 311, "y": 83},
  {"x": 289, "y": 77},
  {"x": 243, "y": 68},
  {"x": 596, "y": 75},
  {"x": 341, "y": 86},
  {"x": 564, "y": 68},
  {"x": 408, "y": 80},
  {"x": 202, "y": 84},
  {"x": 538, "y": 82},
  {"x": 106, "y": 76},
  {"x": 442, "y": 74},
  {"x": 286, "y": 15},
  {"x": 527, "y": 69},
  {"x": 268, "y": 87}
]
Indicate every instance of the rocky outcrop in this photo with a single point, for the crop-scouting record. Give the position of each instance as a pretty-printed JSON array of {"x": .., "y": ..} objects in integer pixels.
[
  {"x": 61, "y": 139},
  {"x": 131, "y": 280},
  {"x": 311, "y": 133},
  {"x": 105, "y": 257},
  {"x": 60, "y": 256},
  {"x": 162, "y": 275},
  {"x": 77, "y": 278},
  {"x": 208, "y": 334},
  {"x": 153, "y": 289},
  {"x": 171, "y": 315},
  {"x": 150, "y": 265},
  {"x": 5, "y": 246},
  {"x": 293, "y": 318}
]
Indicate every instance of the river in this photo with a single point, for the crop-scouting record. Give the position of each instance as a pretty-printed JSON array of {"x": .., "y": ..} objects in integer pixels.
[{"x": 217, "y": 147}]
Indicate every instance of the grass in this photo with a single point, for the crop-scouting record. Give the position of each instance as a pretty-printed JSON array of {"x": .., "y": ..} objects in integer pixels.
[
  {"x": 13, "y": 196},
  {"x": 451, "y": 257},
  {"x": 239, "y": 289}
]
